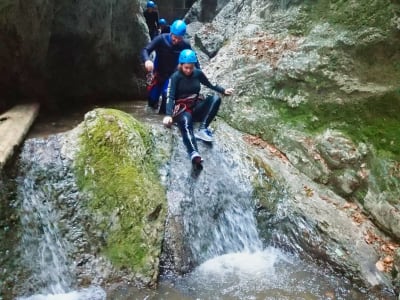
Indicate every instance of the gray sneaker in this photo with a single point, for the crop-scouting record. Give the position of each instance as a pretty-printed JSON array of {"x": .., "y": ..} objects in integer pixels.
[{"x": 204, "y": 134}]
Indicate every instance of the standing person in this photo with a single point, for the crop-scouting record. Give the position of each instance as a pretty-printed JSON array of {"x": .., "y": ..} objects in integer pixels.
[
  {"x": 151, "y": 16},
  {"x": 185, "y": 105},
  {"x": 164, "y": 27},
  {"x": 167, "y": 47}
]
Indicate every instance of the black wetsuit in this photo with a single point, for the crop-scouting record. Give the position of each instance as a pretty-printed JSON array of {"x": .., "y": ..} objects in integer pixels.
[
  {"x": 165, "y": 28},
  {"x": 152, "y": 22},
  {"x": 204, "y": 111}
]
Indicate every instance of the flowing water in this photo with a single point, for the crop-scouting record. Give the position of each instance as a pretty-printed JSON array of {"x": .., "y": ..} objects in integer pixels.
[
  {"x": 228, "y": 258},
  {"x": 44, "y": 187},
  {"x": 215, "y": 206},
  {"x": 221, "y": 232}
]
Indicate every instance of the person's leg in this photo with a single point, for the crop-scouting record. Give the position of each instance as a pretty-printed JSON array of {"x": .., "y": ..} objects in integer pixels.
[
  {"x": 206, "y": 110},
  {"x": 155, "y": 91},
  {"x": 153, "y": 96},
  {"x": 185, "y": 124},
  {"x": 163, "y": 105}
]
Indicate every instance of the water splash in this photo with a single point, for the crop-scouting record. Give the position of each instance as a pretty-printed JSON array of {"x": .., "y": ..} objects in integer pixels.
[
  {"x": 267, "y": 274},
  {"x": 92, "y": 293}
]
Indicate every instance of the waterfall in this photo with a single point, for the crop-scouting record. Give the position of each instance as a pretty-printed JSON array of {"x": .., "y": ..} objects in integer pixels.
[
  {"x": 215, "y": 210},
  {"x": 44, "y": 250},
  {"x": 213, "y": 214},
  {"x": 216, "y": 207},
  {"x": 44, "y": 190}
]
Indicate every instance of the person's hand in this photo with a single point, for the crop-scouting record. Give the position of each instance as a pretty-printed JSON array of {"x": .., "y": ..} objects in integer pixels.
[
  {"x": 167, "y": 121},
  {"x": 148, "y": 65},
  {"x": 229, "y": 91}
]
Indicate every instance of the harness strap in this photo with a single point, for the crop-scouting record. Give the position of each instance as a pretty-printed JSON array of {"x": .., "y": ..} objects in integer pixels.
[
  {"x": 185, "y": 104},
  {"x": 153, "y": 79}
]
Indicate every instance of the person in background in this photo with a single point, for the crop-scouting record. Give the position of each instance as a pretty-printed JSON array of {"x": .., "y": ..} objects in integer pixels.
[
  {"x": 185, "y": 105},
  {"x": 164, "y": 27},
  {"x": 151, "y": 16},
  {"x": 167, "y": 47}
]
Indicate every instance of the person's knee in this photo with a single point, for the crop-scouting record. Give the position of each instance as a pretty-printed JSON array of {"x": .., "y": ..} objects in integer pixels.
[
  {"x": 214, "y": 99},
  {"x": 217, "y": 99},
  {"x": 187, "y": 120}
]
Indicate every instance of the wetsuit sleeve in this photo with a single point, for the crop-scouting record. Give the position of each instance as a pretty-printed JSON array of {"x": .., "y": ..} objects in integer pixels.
[
  {"x": 204, "y": 80},
  {"x": 171, "y": 92},
  {"x": 150, "y": 47}
]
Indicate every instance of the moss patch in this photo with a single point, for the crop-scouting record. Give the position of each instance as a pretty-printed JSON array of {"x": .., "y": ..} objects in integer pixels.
[
  {"x": 374, "y": 120},
  {"x": 352, "y": 15},
  {"x": 115, "y": 167}
]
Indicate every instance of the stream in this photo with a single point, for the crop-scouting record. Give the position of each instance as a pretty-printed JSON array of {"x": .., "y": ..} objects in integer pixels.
[{"x": 229, "y": 259}]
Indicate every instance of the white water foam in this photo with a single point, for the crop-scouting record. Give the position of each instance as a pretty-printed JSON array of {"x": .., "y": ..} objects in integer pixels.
[
  {"x": 91, "y": 293},
  {"x": 245, "y": 264}
]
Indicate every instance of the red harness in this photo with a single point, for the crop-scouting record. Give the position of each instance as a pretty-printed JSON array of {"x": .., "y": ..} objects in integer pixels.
[{"x": 186, "y": 104}]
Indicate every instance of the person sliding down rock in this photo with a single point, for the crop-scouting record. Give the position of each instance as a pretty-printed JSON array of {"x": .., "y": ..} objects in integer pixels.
[{"x": 185, "y": 105}]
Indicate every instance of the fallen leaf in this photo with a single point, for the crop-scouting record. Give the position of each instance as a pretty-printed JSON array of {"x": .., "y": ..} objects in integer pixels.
[
  {"x": 388, "y": 259},
  {"x": 380, "y": 266},
  {"x": 309, "y": 191},
  {"x": 370, "y": 237},
  {"x": 358, "y": 217},
  {"x": 330, "y": 295}
]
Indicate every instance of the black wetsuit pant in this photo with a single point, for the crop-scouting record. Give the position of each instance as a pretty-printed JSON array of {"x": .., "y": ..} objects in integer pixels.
[{"x": 204, "y": 112}]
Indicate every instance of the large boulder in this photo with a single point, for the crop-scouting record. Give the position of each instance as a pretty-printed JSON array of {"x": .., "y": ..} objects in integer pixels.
[{"x": 116, "y": 170}]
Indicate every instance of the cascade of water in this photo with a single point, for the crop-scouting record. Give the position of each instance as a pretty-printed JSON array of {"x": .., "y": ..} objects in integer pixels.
[
  {"x": 43, "y": 249},
  {"x": 216, "y": 207},
  {"x": 44, "y": 190},
  {"x": 220, "y": 232}
]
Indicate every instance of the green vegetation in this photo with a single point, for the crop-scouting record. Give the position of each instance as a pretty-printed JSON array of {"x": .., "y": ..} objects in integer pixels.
[
  {"x": 379, "y": 62},
  {"x": 116, "y": 169},
  {"x": 352, "y": 15},
  {"x": 374, "y": 120}
]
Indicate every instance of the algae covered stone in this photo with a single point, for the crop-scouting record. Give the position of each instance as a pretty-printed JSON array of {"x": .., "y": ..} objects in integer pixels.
[{"x": 116, "y": 170}]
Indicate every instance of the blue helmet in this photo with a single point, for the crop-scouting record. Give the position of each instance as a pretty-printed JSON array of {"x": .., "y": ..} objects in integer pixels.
[
  {"x": 178, "y": 28},
  {"x": 150, "y": 4},
  {"x": 187, "y": 56},
  {"x": 162, "y": 22}
]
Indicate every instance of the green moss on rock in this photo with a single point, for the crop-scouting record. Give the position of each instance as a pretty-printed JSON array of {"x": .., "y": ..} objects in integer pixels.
[
  {"x": 116, "y": 168},
  {"x": 374, "y": 120},
  {"x": 352, "y": 15}
]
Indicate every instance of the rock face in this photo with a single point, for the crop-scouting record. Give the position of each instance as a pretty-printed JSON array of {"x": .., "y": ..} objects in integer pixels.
[
  {"x": 61, "y": 50},
  {"x": 319, "y": 84},
  {"x": 115, "y": 168},
  {"x": 96, "y": 46},
  {"x": 101, "y": 184},
  {"x": 25, "y": 34}
]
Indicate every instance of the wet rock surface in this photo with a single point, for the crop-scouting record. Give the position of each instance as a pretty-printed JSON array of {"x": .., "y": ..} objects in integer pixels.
[{"x": 302, "y": 86}]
